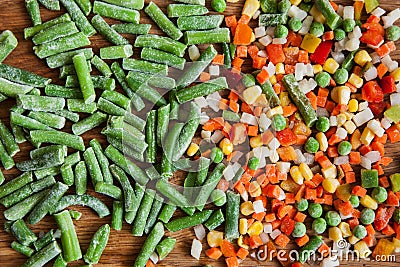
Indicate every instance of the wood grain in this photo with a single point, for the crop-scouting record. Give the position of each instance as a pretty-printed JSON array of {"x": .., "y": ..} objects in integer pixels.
[{"x": 122, "y": 248}]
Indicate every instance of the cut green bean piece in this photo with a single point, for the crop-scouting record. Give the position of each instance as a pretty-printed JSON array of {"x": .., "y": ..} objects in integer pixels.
[
  {"x": 40, "y": 103},
  {"x": 109, "y": 33},
  {"x": 5, "y": 158},
  {"x": 227, "y": 55},
  {"x": 85, "y": 81},
  {"x": 202, "y": 171},
  {"x": 27, "y": 123},
  {"x": 152, "y": 173},
  {"x": 22, "y": 233},
  {"x": 19, "y": 210},
  {"x": 52, "y": 171},
  {"x": 162, "y": 123},
  {"x": 15, "y": 184},
  {"x": 44, "y": 241},
  {"x": 132, "y": 4},
  {"x": 78, "y": 105},
  {"x": 130, "y": 122},
  {"x": 85, "y": 5},
  {"x": 129, "y": 194},
  {"x": 101, "y": 66},
  {"x": 168, "y": 190},
  {"x": 193, "y": 2},
  {"x": 59, "y": 261},
  {"x": 116, "y": 52},
  {"x": 69, "y": 240},
  {"x": 215, "y": 220},
  {"x": 43, "y": 256},
  {"x": 131, "y": 139},
  {"x": 144, "y": 66},
  {"x": 182, "y": 10},
  {"x": 31, "y": 31},
  {"x": 32, "y": 6},
  {"x": 232, "y": 216},
  {"x": 77, "y": 15},
  {"x": 155, "y": 210},
  {"x": 188, "y": 221},
  {"x": 97, "y": 245},
  {"x": 108, "y": 190},
  {"x": 67, "y": 174},
  {"x": 170, "y": 143},
  {"x": 272, "y": 97},
  {"x": 116, "y": 98},
  {"x": 22, "y": 76},
  {"x": 84, "y": 200},
  {"x": 162, "y": 43},
  {"x": 65, "y": 58},
  {"x": 92, "y": 165},
  {"x": 199, "y": 22},
  {"x": 68, "y": 115},
  {"x": 48, "y": 203},
  {"x": 162, "y": 57},
  {"x": 132, "y": 28},
  {"x": 89, "y": 123},
  {"x": 117, "y": 215},
  {"x": 221, "y": 35},
  {"x": 167, "y": 212},
  {"x": 2, "y": 179},
  {"x": 62, "y": 44},
  {"x": 54, "y": 137},
  {"x": 8, "y": 42},
  {"x": 24, "y": 250},
  {"x": 139, "y": 192},
  {"x": 150, "y": 245},
  {"x": 12, "y": 89},
  {"x": 165, "y": 247},
  {"x": 188, "y": 186},
  {"x": 163, "y": 21},
  {"x": 76, "y": 215},
  {"x": 55, "y": 32},
  {"x": 61, "y": 91},
  {"x": 3, "y": 97},
  {"x": 152, "y": 80},
  {"x": 51, "y": 120},
  {"x": 209, "y": 185},
  {"x": 51, "y": 4},
  {"x": 143, "y": 213},
  {"x": 103, "y": 161},
  {"x": 145, "y": 91},
  {"x": 151, "y": 151},
  {"x": 201, "y": 89},
  {"x": 110, "y": 108},
  {"x": 80, "y": 178},
  {"x": 38, "y": 153},
  {"x": 333, "y": 20},
  {"x": 174, "y": 105},
  {"x": 8, "y": 140},
  {"x": 116, "y": 12},
  {"x": 68, "y": 70}
]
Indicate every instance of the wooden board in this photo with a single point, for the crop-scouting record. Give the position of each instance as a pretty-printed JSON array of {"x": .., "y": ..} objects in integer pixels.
[{"x": 122, "y": 248}]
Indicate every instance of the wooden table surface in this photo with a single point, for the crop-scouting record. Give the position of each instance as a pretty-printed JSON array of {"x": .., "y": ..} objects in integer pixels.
[{"x": 122, "y": 247}]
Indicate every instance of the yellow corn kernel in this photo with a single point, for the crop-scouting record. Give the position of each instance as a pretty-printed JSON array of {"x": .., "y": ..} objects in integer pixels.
[
  {"x": 330, "y": 172},
  {"x": 362, "y": 57},
  {"x": 296, "y": 175},
  {"x": 356, "y": 81},
  {"x": 295, "y": 2},
  {"x": 284, "y": 98},
  {"x": 369, "y": 202},
  {"x": 193, "y": 148},
  {"x": 256, "y": 141},
  {"x": 243, "y": 226},
  {"x": 246, "y": 208},
  {"x": 356, "y": 139},
  {"x": 280, "y": 68},
  {"x": 367, "y": 136},
  {"x": 330, "y": 185},
  {"x": 256, "y": 228},
  {"x": 343, "y": 95},
  {"x": 341, "y": 119},
  {"x": 255, "y": 189},
  {"x": 335, "y": 234},
  {"x": 317, "y": 15},
  {"x": 363, "y": 249},
  {"x": 317, "y": 68},
  {"x": 353, "y": 105},
  {"x": 241, "y": 243},
  {"x": 331, "y": 66},
  {"x": 306, "y": 171},
  {"x": 273, "y": 79},
  {"x": 274, "y": 111},
  {"x": 322, "y": 140},
  {"x": 214, "y": 238},
  {"x": 350, "y": 127},
  {"x": 310, "y": 43},
  {"x": 345, "y": 228},
  {"x": 253, "y": 37},
  {"x": 250, "y": 7},
  {"x": 226, "y": 146},
  {"x": 396, "y": 75},
  {"x": 352, "y": 239},
  {"x": 349, "y": 115}
]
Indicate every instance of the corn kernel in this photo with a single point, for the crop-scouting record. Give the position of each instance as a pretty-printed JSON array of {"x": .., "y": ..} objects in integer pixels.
[
  {"x": 306, "y": 171},
  {"x": 317, "y": 68},
  {"x": 343, "y": 95},
  {"x": 345, "y": 228},
  {"x": 295, "y": 2},
  {"x": 396, "y": 75},
  {"x": 322, "y": 140},
  {"x": 256, "y": 141},
  {"x": 250, "y": 7},
  {"x": 330, "y": 172},
  {"x": 353, "y": 105},
  {"x": 330, "y": 185},
  {"x": 350, "y": 127},
  {"x": 296, "y": 175},
  {"x": 273, "y": 79},
  {"x": 246, "y": 208},
  {"x": 356, "y": 81},
  {"x": 363, "y": 249},
  {"x": 331, "y": 65},
  {"x": 193, "y": 148},
  {"x": 317, "y": 15},
  {"x": 256, "y": 228},
  {"x": 226, "y": 146},
  {"x": 367, "y": 136},
  {"x": 243, "y": 226},
  {"x": 214, "y": 238},
  {"x": 335, "y": 234},
  {"x": 284, "y": 98},
  {"x": 362, "y": 57},
  {"x": 369, "y": 202},
  {"x": 310, "y": 43},
  {"x": 349, "y": 115},
  {"x": 241, "y": 243},
  {"x": 352, "y": 239},
  {"x": 341, "y": 119},
  {"x": 273, "y": 111},
  {"x": 280, "y": 68},
  {"x": 255, "y": 189},
  {"x": 253, "y": 37}
]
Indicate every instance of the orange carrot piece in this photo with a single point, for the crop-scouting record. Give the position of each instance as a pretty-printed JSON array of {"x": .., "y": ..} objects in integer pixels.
[
  {"x": 237, "y": 62},
  {"x": 263, "y": 76},
  {"x": 259, "y": 62},
  {"x": 301, "y": 241},
  {"x": 242, "y": 253},
  {"x": 149, "y": 263},
  {"x": 234, "y": 106},
  {"x": 255, "y": 241},
  {"x": 244, "y": 19},
  {"x": 252, "y": 130},
  {"x": 258, "y": 216},
  {"x": 204, "y": 76},
  {"x": 350, "y": 177},
  {"x": 359, "y": 191},
  {"x": 214, "y": 253},
  {"x": 270, "y": 217},
  {"x": 300, "y": 217},
  {"x": 382, "y": 69},
  {"x": 354, "y": 158},
  {"x": 282, "y": 240},
  {"x": 252, "y": 50},
  {"x": 227, "y": 249},
  {"x": 275, "y": 53},
  {"x": 232, "y": 262},
  {"x": 241, "y": 51},
  {"x": 218, "y": 59},
  {"x": 243, "y": 34}
]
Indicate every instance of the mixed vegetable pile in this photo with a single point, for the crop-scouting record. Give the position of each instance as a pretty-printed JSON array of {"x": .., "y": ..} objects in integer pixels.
[{"x": 297, "y": 140}]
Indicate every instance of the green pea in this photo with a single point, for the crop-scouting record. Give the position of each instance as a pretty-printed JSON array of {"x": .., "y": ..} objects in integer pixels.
[
  {"x": 281, "y": 31},
  {"x": 323, "y": 124},
  {"x": 319, "y": 225},
  {"x": 218, "y": 5},
  {"x": 218, "y": 197},
  {"x": 284, "y": 6},
  {"x": 217, "y": 155},
  {"x": 348, "y": 25},
  {"x": 323, "y": 79},
  {"x": 315, "y": 210},
  {"x": 359, "y": 231},
  {"x": 311, "y": 145},
  {"x": 278, "y": 122},
  {"x": 295, "y": 24},
  {"x": 367, "y": 216},
  {"x": 396, "y": 215},
  {"x": 379, "y": 194},
  {"x": 332, "y": 218},
  {"x": 299, "y": 230},
  {"x": 253, "y": 163},
  {"x": 341, "y": 76},
  {"x": 344, "y": 148},
  {"x": 339, "y": 34},
  {"x": 393, "y": 33},
  {"x": 317, "y": 29},
  {"x": 302, "y": 205},
  {"x": 355, "y": 201}
]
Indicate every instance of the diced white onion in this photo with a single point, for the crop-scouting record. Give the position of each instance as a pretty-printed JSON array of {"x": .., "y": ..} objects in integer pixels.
[
  {"x": 348, "y": 12},
  {"x": 341, "y": 160},
  {"x": 275, "y": 233},
  {"x": 296, "y": 12},
  {"x": 373, "y": 156},
  {"x": 196, "y": 249},
  {"x": 363, "y": 117},
  {"x": 306, "y": 25},
  {"x": 200, "y": 232},
  {"x": 259, "y": 32},
  {"x": 365, "y": 162},
  {"x": 266, "y": 40},
  {"x": 217, "y": 136},
  {"x": 267, "y": 228},
  {"x": 258, "y": 206},
  {"x": 213, "y": 70}
]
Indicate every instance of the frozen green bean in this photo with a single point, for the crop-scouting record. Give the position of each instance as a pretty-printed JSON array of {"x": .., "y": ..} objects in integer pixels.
[
  {"x": 139, "y": 223},
  {"x": 151, "y": 151},
  {"x": 93, "y": 166},
  {"x": 31, "y": 31},
  {"x": 158, "y": 81},
  {"x": 116, "y": 12},
  {"x": 21, "y": 209},
  {"x": 139, "y": 192},
  {"x": 5, "y": 158},
  {"x": 69, "y": 240},
  {"x": 162, "y": 21},
  {"x": 68, "y": 70},
  {"x": 167, "y": 212},
  {"x": 40, "y": 103},
  {"x": 89, "y": 123},
  {"x": 55, "y": 32},
  {"x": 132, "y": 4},
  {"x": 117, "y": 215},
  {"x": 109, "y": 33},
  {"x": 65, "y": 58},
  {"x": 116, "y": 98},
  {"x": 32, "y": 6},
  {"x": 109, "y": 190},
  {"x": 110, "y": 108},
  {"x": 24, "y": 250},
  {"x": 193, "y": 2},
  {"x": 41, "y": 152},
  {"x": 54, "y": 137},
  {"x": 80, "y": 178},
  {"x": 162, "y": 123},
  {"x": 76, "y": 215},
  {"x": 144, "y": 66},
  {"x": 49, "y": 119},
  {"x": 78, "y": 105},
  {"x": 15, "y": 184},
  {"x": 202, "y": 89},
  {"x": 168, "y": 190},
  {"x": 22, "y": 233},
  {"x": 220, "y": 35},
  {"x": 129, "y": 194},
  {"x": 101, "y": 66},
  {"x": 232, "y": 215},
  {"x": 22, "y": 76},
  {"x": 209, "y": 185},
  {"x": 162, "y": 57},
  {"x": 51, "y": 4},
  {"x": 67, "y": 174},
  {"x": 68, "y": 115},
  {"x": 196, "y": 23},
  {"x": 182, "y": 10},
  {"x": 8, "y": 42},
  {"x": 145, "y": 91},
  {"x": 215, "y": 220},
  {"x": 116, "y": 52},
  {"x": 188, "y": 221},
  {"x": 43, "y": 256},
  {"x": 44, "y": 241},
  {"x": 12, "y": 89},
  {"x": 61, "y": 91},
  {"x": 132, "y": 28},
  {"x": 97, "y": 245},
  {"x": 84, "y": 200},
  {"x": 85, "y": 5},
  {"x": 165, "y": 247},
  {"x": 85, "y": 81},
  {"x": 103, "y": 161},
  {"x": 27, "y": 122},
  {"x": 155, "y": 210},
  {"x": 162, "y": 43},
  {"x": 59, "y": 262},
  {"x": 77, "y": 15},
  {"x": 149, "y": 245},
  {"x": 8, "y": 140}
]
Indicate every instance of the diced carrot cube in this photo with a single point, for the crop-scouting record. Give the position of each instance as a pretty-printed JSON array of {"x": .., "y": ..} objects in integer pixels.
[
  {"x": 227, "y": 249},
  {"x": 300, "y": 217},
  {"x": 241, "y": 51},
  {"x": 232, "y": 262},
  {"x": 301, "y": 241},
  {"x": 214, "y": 253},
  {"x": 270, "y": 217},
  {"x": 282, "y": 240},
  {"x": 242, "y": 253},
  {"x": 218, "y": 59},
  {"x": 255, "y": 241},
  {"x": 354, "y": 157},
  {"x": 204, "y": 76}
]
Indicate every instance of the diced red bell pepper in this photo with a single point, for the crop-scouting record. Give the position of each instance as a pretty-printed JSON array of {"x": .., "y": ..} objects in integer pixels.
[
  {"x": 371, "y": 37},
  {"x": 372, "y": 92},
  {"x": 321, "y": 53},
  {"x": 388, "y": 85},
  {"x": 286, "y": 137},
  {"x": 377, "y": 108},
  {"x": 287, "y": 225},
  {"x": 375, "y": 27},
  {"x": 382, "y": 217}
]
